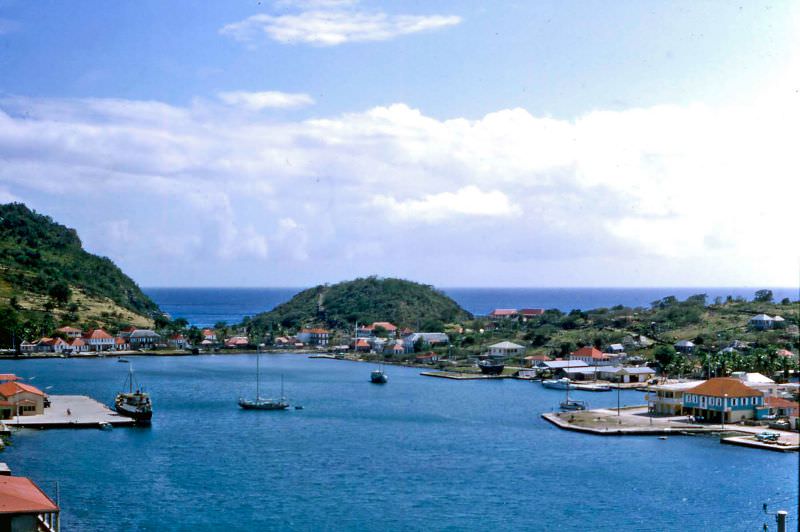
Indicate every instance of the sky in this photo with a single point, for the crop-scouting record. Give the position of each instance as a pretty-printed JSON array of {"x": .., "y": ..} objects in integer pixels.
[{"x": 297, "y": 142}]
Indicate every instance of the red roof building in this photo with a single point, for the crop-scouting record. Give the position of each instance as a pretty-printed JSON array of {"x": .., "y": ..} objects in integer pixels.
[
  {"x": 782, "y": 407},
  {"x": 24, "y": 506},
  {"x": 7, "y": 377},
  {"x": 503, "y": 313},
  {"x": 10, "y": 389},
  {"x": 590, "y": 355},
  {"x": 531, "y": 312}
]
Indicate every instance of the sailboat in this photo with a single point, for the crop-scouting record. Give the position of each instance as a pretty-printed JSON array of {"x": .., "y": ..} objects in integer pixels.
[
  {"x": 571, "y": 404},
  {"x": 378, "y": 376},
  {"x": 132, "y": 404},
  {"x": 263, "y": 404}
]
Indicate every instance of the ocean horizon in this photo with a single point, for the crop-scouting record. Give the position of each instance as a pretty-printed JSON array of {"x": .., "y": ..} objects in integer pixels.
[{"x": 206, "y": 306}]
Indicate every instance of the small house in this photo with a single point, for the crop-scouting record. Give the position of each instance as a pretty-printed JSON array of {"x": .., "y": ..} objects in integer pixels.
[
  {"x": 210, "y": 335},
  {"x": 762, "y": 322},
  {"x": 315, "y": 336},
  {"x": 667, "y": 399},
  {"x": 26, "y": 400},
  {"x": 25, "y": 506},
  {"x": 70, "y": 332},
  {"x": 505, "y": 350},
  {"x": 503, "y": 313},
  {"x": 178, "y": 341},
  {"x": 684, "y": 346},
  {"x": 98, "y": 340},
  {"x": 591, "y": 356},
  {"x": 235, "y": 342}
]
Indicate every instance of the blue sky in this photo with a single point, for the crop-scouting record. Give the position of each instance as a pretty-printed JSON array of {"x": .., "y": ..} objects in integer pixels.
[{"x": 303, "y": 141}]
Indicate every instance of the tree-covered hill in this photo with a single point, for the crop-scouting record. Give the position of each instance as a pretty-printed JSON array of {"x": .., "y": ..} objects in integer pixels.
[
  {"x": 367, "y": 300},
  {"x": 44, "y": 272}
]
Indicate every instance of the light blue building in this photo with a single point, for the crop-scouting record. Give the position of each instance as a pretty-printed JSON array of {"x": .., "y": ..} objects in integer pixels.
[{"x": 723, "y": 396}]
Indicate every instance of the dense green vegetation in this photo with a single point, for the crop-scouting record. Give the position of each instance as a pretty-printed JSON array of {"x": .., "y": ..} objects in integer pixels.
[
  {"x": 404, "y": 303},
  {"x": 43, "y": 269}
]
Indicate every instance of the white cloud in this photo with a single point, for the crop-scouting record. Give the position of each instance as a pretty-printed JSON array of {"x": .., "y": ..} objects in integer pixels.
[
  {"x": 256, "y": 101},
  {"x": 467, "y": 201},
  {"x": 685, "y": 185},
  {"x": 334, "y": 27}
]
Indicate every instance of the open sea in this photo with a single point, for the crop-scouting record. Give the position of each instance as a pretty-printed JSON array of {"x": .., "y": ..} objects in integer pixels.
[
  {"x": 416, "y": 454},
  {"x": 206, "y": 306}
]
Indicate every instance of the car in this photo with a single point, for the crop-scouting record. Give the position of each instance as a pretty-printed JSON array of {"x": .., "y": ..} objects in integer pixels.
[{"x": 767, "y": 436}]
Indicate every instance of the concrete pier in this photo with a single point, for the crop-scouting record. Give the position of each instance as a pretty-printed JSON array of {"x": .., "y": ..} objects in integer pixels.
[
  {"x": 85, "y": 412},
  {"x": 462, "y": 376}
]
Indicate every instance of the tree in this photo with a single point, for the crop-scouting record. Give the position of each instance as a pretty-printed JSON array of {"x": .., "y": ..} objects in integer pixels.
[
  {"x": 664, "y": 355},
  {"x": 763, "y": 296}
]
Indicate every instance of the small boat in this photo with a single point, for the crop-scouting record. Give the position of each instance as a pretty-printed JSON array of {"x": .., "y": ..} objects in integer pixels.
[
  {"x": 662, "y": 437},
  {"x": 125, "y": 360},
  {"x": 260, "y": 403},
  {"x": 573, "y": 404},
  {"x": 105, "y": 426},
  {"x": 490, "y": 367},
  {"x": 378, "y": 376},
  {"x": 557, "y": 384},
  {"x": 135, "y": 405}
]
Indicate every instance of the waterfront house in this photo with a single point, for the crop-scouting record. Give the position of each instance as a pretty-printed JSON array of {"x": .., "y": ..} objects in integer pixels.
[
  {"x": 615, "y": 348},
  {"x": 316, "y": 336},
  {"x": 52, "y": 345},
  {"x": 581, "y": 373},
  {"x": 720, "y": 398},
  {"x": 505, "y": 350},
  {"x": 27, "y": 347},
  {"x": 361, "y": 345},
  {"x": 503, "y": 313},
  {"x": 785, "y": 353},
  {"x": 529, "y": 313},
  {"x": 98, "y": 340},
  {"x": 237, "y": 342},
  {"x": 426, "y": 358},
  {"x": 210, "y": 335},
  {"x": 25, "y": 507},
  {"x": 26, "y": 400},
  {"x": 390, "y": 328},
  {"x": 70, "y": 332},
  {"x": 636, "y": 342},
  {"x": 178, "y": 341},
  {"x": 397, "y": 348},
  {"x": 533, "y": 360},
  {"x": 780, "y": 407},
  {"x": 759, "y": 382},
  {"x": 428, "y": 339},
  {"x": 77, "y": 346},
  {"x": 141, "y": 338},
  {"x": 667, "y": 399},
  {"x": 625, "y": 374},
  {"x": 591, "y": 356},
  {"x": 684, "y": 346}
]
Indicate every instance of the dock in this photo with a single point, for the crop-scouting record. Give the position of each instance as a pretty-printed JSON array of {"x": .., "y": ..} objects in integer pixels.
[
  {"x": 462, "y": 376},
  {"x": 85, "y": 412},
  {"x": 782, "y": 445},
  {"x": 630, "y": 422}
]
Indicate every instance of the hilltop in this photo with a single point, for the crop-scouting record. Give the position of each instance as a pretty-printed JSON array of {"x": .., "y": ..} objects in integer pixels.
[
  {"x": 404, "y": 303},
  {"x": 47, "y": 278}
]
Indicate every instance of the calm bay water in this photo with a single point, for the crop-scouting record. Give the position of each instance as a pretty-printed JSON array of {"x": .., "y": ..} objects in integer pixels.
[
  {"x": 416, "y": 454},
  {"x": 207, "y": 306}
]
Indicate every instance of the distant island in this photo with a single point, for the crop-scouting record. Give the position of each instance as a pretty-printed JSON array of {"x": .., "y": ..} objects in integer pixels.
[{"x": 47, "y": 279}]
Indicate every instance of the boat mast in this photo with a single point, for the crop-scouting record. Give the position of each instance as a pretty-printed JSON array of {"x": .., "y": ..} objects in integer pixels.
[
  {"x": 130, "y": 376},
  {"x": 258, "y": 375}
]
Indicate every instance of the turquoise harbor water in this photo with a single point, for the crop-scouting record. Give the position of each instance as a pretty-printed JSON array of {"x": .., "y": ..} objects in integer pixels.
[
  {"x": 206, "y": 306},
  {"x": 417, "y": 454}
]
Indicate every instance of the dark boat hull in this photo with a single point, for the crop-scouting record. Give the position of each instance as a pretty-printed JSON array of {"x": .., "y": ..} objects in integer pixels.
[
  {"x": 249, "y": 405},
  {"x": 143, "y": 417},
  {"x": 491, "y": 369},
  {"x": 378, "y": 378}
]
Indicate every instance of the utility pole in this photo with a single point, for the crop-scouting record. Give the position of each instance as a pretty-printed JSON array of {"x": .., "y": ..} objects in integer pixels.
[{"x": 618, "y": 387}]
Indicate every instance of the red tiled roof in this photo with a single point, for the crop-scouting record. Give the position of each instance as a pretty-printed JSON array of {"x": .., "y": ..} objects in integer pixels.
[
  {"x": 531, "y": 311},
  {"x": 720, "y": 386},
  {"x": 503, "y": 312},
  {"x": 780, "y": 402},
  {"x": 386, "y": 325},
  {"x": 97, "y": 334},
  {"x": 587, "y": 351},
  {"x": 784, "y": 353},
  {"x": 8, "y": 377},
  {"x": 9, "y": 389},
  {"x": 316, "y": 331},
  {"x": 68, "y": 329},
  {"x": 362, "y": 343},
  {"x": 76, "y": 341},
  {"x": 118, "y": 340},
  {"x": 20, "y": 495}
]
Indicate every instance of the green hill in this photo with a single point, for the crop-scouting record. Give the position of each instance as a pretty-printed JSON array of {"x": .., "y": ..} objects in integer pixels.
[
  {"x": 47, "y": 278},
  {"x": 401, "y": 302}
]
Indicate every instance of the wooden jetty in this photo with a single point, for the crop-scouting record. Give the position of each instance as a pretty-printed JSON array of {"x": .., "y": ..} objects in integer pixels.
[{"x": 462, "y": 376}]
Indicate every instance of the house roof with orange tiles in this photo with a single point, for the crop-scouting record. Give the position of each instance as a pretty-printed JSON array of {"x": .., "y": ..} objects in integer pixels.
[
  {"x": 386, "y": 325},
  {"x": 316, "y": 331},
  {"x": 780, "y": 402},
  {"x": 5, "y": 377},
  {"x": 20, "y": 495},
  {"x": 68, "y": 329},
  {"x": 503, "y": 312},
  {"x": 721, "y": 386},
  {"x": 531, "y": 311},
  {"x": 97, "y": 334},
  {"x": 587, "y": 351},
  {"x": 9, "y": 389}
]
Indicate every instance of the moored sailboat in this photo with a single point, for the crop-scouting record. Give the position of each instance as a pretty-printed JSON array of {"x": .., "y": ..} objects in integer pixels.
[{"x": 260, "y": 403}]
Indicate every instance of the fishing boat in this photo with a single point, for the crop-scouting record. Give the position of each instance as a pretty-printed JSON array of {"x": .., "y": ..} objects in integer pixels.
[
  {"x": 260, "y": 403},
  {"x": 557, "y": 384},
  {"x": 491, "y": 367},
  {"x": 134, "y": 404},
  {"x": 378, "y": 376}
]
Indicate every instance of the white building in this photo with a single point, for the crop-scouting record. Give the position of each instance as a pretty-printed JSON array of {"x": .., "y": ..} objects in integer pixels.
[{"x": 503, "y": 350}]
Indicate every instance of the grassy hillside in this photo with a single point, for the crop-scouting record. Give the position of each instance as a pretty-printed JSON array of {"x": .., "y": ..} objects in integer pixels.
[
  {"x": 401, "y": 302},
  {"x": 46, "y": 277}
]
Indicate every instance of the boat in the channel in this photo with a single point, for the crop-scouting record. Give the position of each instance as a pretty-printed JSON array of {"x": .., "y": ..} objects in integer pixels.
[
  {"x": 260, "y": 403},
  {"x": 134, "y": 404},
  {"x": 378, "y": 376},
  {"x": 557, "y": 384},
  {"x": 491, "y": 367}
]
